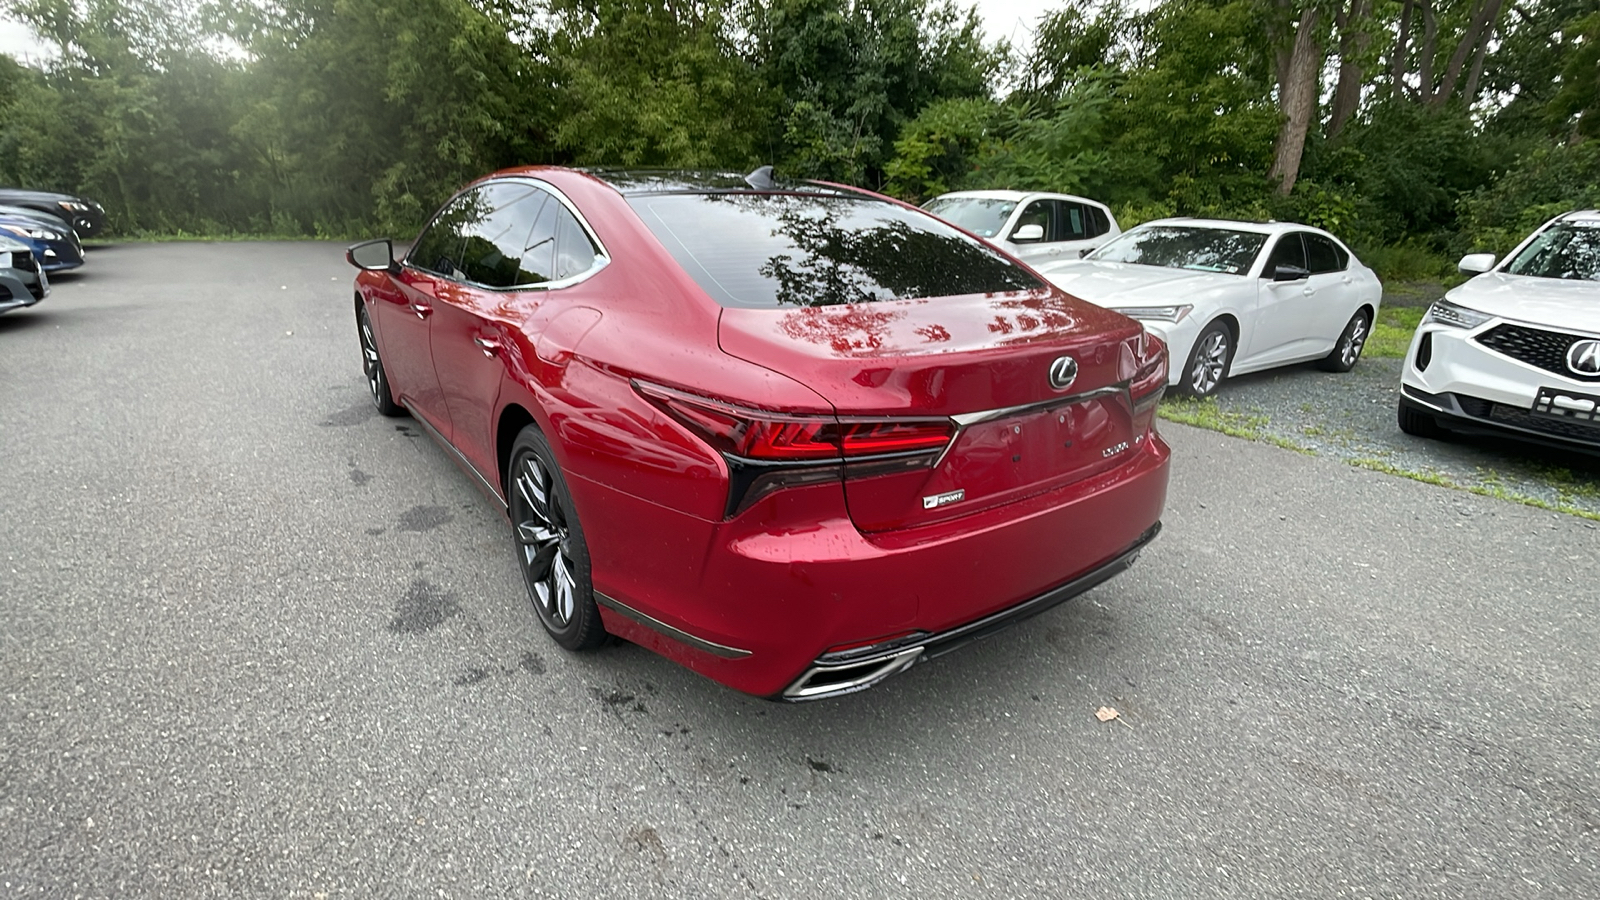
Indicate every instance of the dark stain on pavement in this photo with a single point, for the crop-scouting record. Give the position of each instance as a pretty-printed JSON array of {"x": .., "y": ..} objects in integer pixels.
[
  {"x": 532, "y": 663},
  {"x": 818, "y": 765},
  {"x": 425, "y": 607},
  {"x": 424, "y": 518},
  {"x": 350, "y": 415},
  {"x": 473, "y": 675}
]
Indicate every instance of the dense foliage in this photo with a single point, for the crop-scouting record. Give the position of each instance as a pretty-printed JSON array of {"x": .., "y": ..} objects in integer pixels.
[{"x": 1442, "y": 125}]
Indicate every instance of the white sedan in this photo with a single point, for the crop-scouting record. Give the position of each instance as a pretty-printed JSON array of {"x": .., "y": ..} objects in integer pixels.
[
  {"x": 1516, "y": 350},
  {"x": 1031, "y": 226},
  {"x": 1232, "y": 297}
]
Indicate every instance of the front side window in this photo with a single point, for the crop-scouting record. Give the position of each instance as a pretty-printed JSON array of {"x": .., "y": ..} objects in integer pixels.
[
  {"x": 1289, "y": 251},
  {"x": 438, "y": 248},
  {"x": 983, "y": 216},
  {"x": 777, "y": 250},
  {"x": 1186, "y": 247},
  {"x": 1568, "y": 250},
  {"x": 1040, "y": 213}
]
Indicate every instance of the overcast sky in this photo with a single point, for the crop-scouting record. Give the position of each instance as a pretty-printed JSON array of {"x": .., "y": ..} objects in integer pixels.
[{"x": 1011, "y": 19}]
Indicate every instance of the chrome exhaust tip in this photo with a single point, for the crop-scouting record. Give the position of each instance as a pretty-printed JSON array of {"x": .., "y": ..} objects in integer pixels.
[{"x": 822, "y": 681}]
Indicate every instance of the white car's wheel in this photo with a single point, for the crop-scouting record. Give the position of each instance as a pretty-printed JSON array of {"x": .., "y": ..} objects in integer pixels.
[
  {"x": 1208, "y": 361},
  {"x": 1347, "y": 350}
]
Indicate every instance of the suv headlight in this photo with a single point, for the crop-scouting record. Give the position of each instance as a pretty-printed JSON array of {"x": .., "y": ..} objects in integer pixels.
[
  {"x": 1446, "y": 313},
  {"x": 1155, "y": 313}
]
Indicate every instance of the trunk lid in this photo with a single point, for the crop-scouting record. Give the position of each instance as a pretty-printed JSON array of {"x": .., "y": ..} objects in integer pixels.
[{"x": 983, "y": 361}]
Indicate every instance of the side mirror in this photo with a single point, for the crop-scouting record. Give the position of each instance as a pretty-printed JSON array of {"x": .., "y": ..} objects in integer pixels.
[
  {"x": 373, "y": 256},
  {"x": 1476, "y": 263},
  {"x": 1027, "y": 234},
  {"x": 1285, "y": 272}
]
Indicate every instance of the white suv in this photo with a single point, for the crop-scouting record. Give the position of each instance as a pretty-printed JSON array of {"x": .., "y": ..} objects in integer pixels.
[
  {"x": 1035, "y": 227},
  {"x": 1515, "y": 350}
]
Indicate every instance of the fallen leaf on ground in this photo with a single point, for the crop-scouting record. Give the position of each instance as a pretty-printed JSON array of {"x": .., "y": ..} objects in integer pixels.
[{"x": 1106, "y": 714}]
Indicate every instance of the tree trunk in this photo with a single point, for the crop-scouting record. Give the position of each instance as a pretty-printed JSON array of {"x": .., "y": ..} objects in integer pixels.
[
  {"x": 1354, "y": 38},
  {"x": 1476, "y": 35},
  {"x": 1297, "y": 98},
  {"x": 1399, "y": 61},
  {"x": 1428, "y": 49},
  {"x": 1470, "y": 92}
]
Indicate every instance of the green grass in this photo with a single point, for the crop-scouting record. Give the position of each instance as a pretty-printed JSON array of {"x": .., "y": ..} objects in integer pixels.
[
  {"x": 1391, "y": 334},
  {"x": 1207, "y": 414},
  {"x": 1493, "y": 486}
]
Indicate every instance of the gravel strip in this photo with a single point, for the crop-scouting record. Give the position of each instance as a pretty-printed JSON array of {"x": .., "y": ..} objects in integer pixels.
[{"x": 1352, "y": 417}]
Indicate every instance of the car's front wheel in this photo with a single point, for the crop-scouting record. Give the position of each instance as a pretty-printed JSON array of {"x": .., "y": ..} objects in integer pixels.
[
  {"x": 1347, "y": 350},
  {"x": 1208, "y": 361},
  {"x": 551, "y": 551},
  {"x": 372, "y": 366}
]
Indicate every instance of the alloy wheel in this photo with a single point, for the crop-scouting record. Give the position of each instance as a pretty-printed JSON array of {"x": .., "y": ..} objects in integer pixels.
[
  {"x": 545, "y": 543},
  {"x": 1210, "y": 361},
  {"x": 369, "y": 359},
  {"x": 1355, "y": 339}
]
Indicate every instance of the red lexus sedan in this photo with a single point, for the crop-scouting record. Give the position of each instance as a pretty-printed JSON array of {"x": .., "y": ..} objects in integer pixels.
[{"x": 795, "y": 436}]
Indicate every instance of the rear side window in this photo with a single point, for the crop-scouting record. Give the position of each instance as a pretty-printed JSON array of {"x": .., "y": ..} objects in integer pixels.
[
  {"x": 1074, "y": 222},
  {"x": 1323, "y": 255},
  {"x": 575, "y": 253},
  {"x": 496, "y": 240},
  {"x": 779, "y": 250}
]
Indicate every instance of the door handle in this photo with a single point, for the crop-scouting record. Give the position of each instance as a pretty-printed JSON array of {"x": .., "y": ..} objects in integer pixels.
[
  {"x": 422, "y": 311},
  {"x": 1308, "y": 291},
  {"x": 489, "y": 347}
]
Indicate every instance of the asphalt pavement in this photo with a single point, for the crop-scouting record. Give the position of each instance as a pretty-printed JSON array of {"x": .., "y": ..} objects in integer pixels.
[{"x": 256, "y": 640}]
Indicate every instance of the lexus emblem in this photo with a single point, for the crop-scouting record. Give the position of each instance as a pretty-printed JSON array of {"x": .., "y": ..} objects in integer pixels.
[
  {"x": 1582, "y": 358},
  {"x": 1064, "y": 371}
]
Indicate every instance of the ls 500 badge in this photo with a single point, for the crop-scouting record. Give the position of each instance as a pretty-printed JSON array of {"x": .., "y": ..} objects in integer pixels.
[
  {"x": 946, "y": 498},
  {"x": 1109, "y": 452}
]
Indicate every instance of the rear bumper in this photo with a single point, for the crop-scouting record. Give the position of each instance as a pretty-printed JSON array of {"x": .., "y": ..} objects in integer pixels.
[
  {"x": 757, "y": 602},
  {"x": 848, "y": 671}
]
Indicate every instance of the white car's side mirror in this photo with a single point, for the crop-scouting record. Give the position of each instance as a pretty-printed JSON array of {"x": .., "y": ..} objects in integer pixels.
[
  {"x": 1027, "y": 233},
  {"x": 1476, "y": 263}
]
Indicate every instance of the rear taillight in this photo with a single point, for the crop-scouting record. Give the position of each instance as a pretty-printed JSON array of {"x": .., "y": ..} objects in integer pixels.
[
  {"x": 766, "y": 451},
  {"x": 1149, "y": 379},
  {"x": 876, "y": 437}
]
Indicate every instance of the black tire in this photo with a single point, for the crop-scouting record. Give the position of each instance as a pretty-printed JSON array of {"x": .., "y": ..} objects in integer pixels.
[
  {"x": 372, "y": 366},
  {"x": 1417, "y": 423},
  {"x": 1346, "y": 351},
  {"x": 549, "y": 544},
  {"x": 1209, "y": 361}
]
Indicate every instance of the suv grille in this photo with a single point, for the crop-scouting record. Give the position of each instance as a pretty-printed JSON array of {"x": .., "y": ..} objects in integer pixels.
[
  {"x": 1572, "y": 426},
  {"x": 1536, "y": 347}
]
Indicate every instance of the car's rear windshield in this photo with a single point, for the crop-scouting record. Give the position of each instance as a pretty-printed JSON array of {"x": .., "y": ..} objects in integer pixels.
[
  {"x": 1569, "y": 250},
  {"x": 983, "y": 216},
  {"x": 775, "y": 250},
  {"x": 1186, "y": 247}
]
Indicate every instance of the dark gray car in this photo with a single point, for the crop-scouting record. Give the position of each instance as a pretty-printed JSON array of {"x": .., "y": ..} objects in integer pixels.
[{"x": 22, "y": 282}]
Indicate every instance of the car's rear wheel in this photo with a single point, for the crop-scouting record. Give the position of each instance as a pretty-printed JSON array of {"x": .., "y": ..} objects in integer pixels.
[
  {"x": 372, "y": 366},
  {"x": 551, "y": 551},
  {"x": 1347, "y": 350},
  {"x": 1417, "y": 423},
  {"x": 1208, "y": 361}
]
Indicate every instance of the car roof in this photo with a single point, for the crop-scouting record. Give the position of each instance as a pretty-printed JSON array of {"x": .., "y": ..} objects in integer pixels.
[
  {"x": 1239, "y": 225},
  {"x": 633, "y": 182},
  {"x": 1581, "y": 215},
  {"x": 1017, "y": 196}
]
